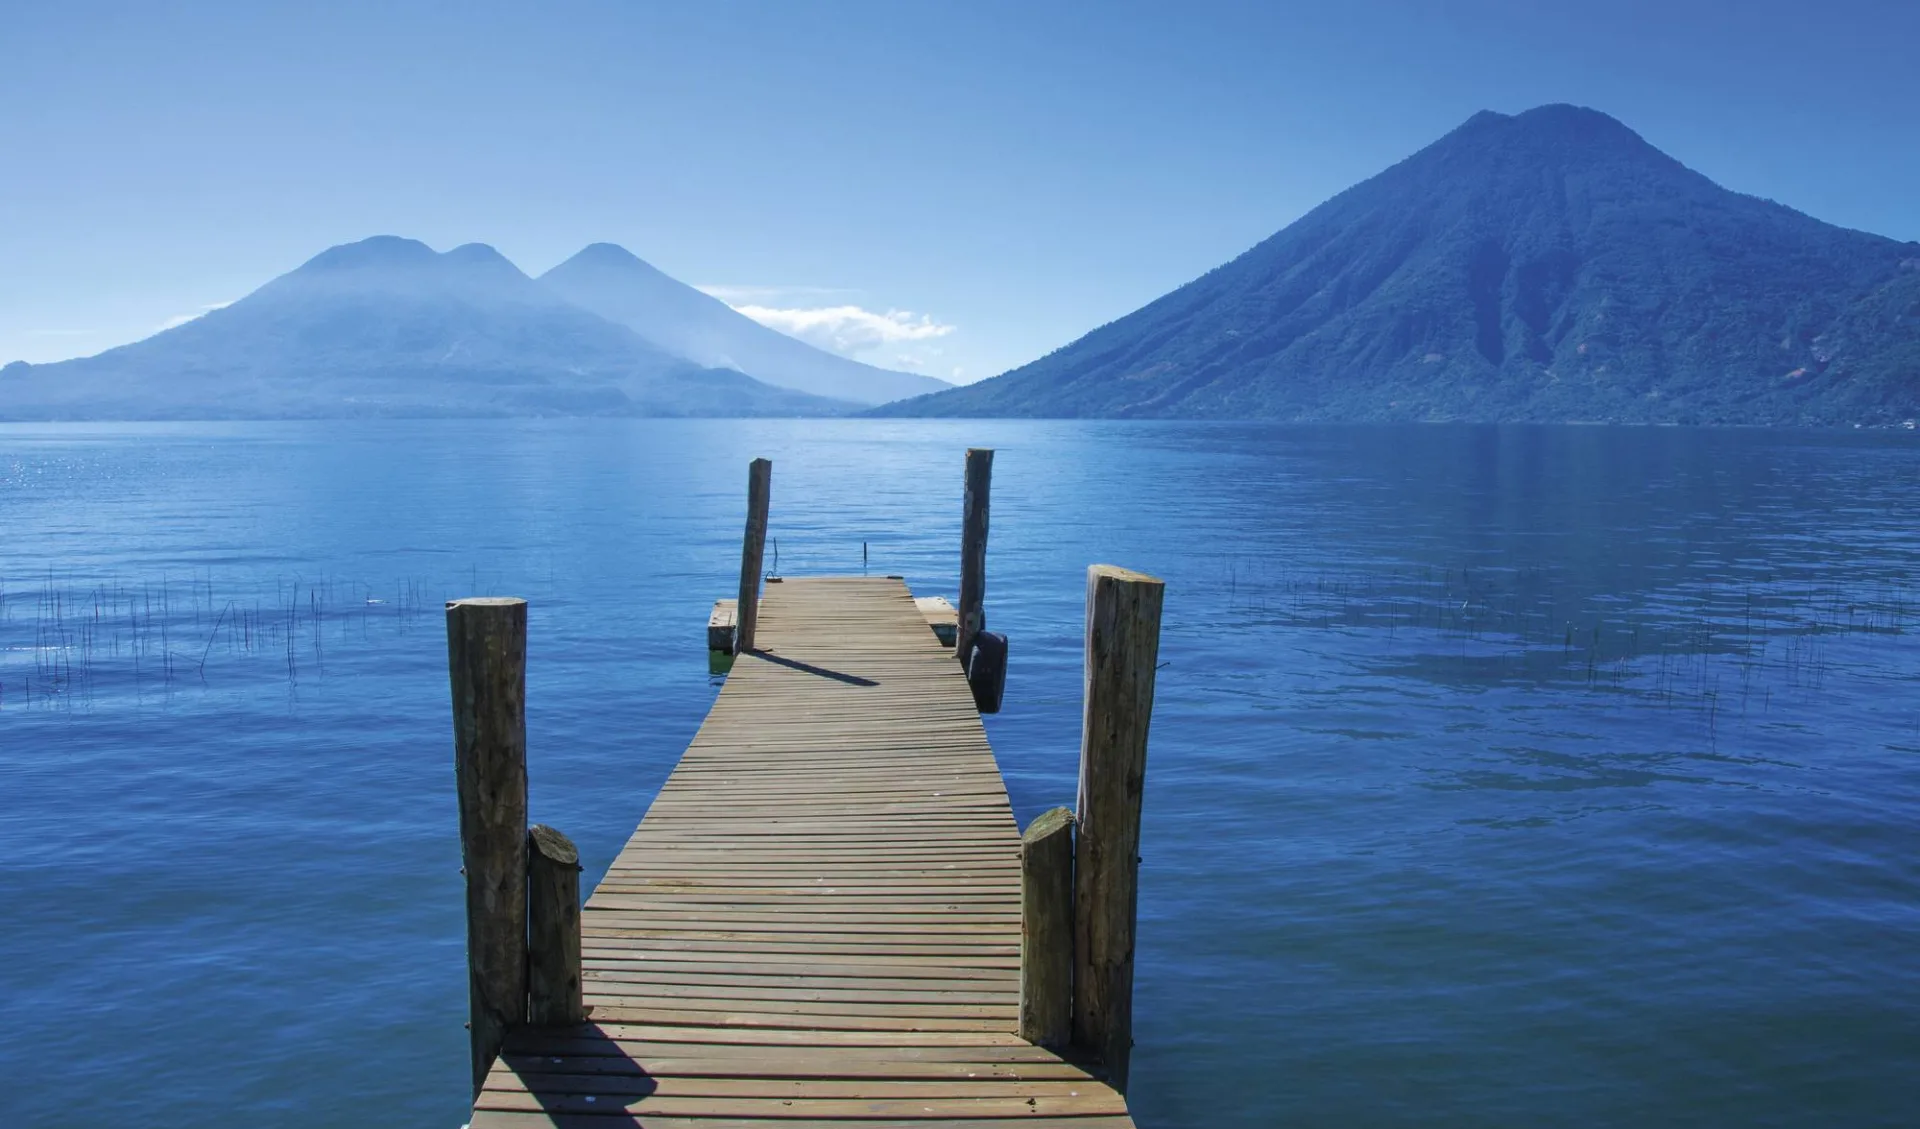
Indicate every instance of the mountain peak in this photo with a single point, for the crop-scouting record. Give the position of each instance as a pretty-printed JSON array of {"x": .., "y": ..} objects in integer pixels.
[
  {"x": 397, "y": 253},
  {"x": 1566, "y": 113},
  {"x": 476, "y": 254},
  {"x": 606, "y": 254},
  {"x": 1560, "y": 129},
  {"x": 387, "y": 326},
  {"x": 1549, "y": 264},
  {"x": 611, "y": 281},
  {"x": 608, "y": 257},
  {"x": 406, "y": 269},
  {"x": 1552, "y": 117},
  {"x": 1573, "y": 123},
  {"x": 480, "y": 261},
  {"x": 374, "y": 251}
]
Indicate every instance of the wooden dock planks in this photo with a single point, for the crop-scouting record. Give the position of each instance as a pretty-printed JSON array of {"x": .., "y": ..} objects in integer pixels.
[{"x": 818, "y": 922}]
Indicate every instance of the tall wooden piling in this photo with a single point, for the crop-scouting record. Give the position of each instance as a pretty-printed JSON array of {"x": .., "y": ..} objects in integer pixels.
[
  {"x": 487, "y": 665},
  {"x": 553, "y": 929},
  {"x": 752, "y": 553},
  {"x": 973, "y": 549},
  {"x": 1122, "y": 648},
  {"x": 1046, "y": 929},
  {"x": 806, "y": 927}
]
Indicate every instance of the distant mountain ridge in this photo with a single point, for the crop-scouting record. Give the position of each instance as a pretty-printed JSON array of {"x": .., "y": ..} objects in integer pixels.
[
  {"x": 389, "y": 327},
  {"x": 611, "y": 281},
  {"x": 1550, "y": 265}
]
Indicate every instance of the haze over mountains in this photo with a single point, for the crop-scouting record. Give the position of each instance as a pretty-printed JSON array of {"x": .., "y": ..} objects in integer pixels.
[
  {"x": 612, "y": 282},
  {"x": 1550, "y": 265},
  {"x": 387, "y": 326}
]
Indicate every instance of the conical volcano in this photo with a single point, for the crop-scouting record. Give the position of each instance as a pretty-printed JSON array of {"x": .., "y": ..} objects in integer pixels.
[{"x": 1549, "y": 265}]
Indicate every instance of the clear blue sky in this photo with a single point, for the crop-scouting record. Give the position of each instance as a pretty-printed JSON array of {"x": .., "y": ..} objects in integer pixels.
[{"x": 1011, "y": 174}]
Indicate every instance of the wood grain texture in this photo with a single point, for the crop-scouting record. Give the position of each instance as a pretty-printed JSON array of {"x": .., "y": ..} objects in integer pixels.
[
  {"x": 1046, "y": 929},
  {"x": 941, "y": 616},
  {"x": 818, "y": 921},
  {"x": 553, "y": 930},
  {"x": 752, "y": 554},
  {"x": 720, "y": 625},
  {"x": 487, "y": 666},
  {"x": 1122, "y": 651},
  {"x": 973, "y": 548}
]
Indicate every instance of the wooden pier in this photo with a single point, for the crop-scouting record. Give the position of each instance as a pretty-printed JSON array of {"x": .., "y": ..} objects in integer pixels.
[{"x": 819, "y": 920}]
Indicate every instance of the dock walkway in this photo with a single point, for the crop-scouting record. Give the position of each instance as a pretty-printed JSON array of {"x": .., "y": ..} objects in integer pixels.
[{"x": 818, "y": 921}]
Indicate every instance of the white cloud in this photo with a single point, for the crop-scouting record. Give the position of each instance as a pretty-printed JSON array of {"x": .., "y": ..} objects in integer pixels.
[
  {"x": 835, "y": 319},
  {"x": 848, "y": 329},
  {"x": 182, "y": 319}
]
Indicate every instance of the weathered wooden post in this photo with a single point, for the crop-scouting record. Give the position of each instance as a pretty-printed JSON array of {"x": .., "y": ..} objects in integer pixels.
[
  {"x": 487, "y": 664},
  {"x": 752, "y": 553},
  {"x": 973, "y": 550},
  {"x": 1046, "y": 929},
  {"x": 553, "y": 929},
  {"x": 1123, "y": 646}
]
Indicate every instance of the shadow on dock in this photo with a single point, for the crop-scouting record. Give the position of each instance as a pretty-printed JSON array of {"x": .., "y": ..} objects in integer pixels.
[
  {"x": 828, "y": 916},
  {"x": 809, "y": 668}
]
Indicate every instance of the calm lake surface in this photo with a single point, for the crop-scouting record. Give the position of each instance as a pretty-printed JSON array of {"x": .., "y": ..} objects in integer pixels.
[{"x": 1499, "y": 776}]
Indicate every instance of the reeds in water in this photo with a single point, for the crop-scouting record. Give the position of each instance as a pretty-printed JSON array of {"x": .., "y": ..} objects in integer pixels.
[{"x": 68, "y": 639}]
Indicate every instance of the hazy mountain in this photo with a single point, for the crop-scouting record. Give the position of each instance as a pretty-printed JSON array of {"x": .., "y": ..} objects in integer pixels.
[
  {"x": 387, "y": 326},
  {"x": 610, "y": 281},
  {"x": 1546, "y": 266}
]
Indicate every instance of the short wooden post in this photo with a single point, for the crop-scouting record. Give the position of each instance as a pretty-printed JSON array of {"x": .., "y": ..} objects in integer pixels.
[
  {"x": 752, "y": 553},
  {"x": 1046, "y": 929},
  {"x": 487, "y": 664},
  {"x": 553, "y": 929},
  {"x": 973, "y": 549},
  {"x": 1123, "y": 645}
]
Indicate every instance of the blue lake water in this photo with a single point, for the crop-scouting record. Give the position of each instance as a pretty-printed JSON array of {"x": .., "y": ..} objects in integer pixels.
[{"x": 1499, "y": 776}]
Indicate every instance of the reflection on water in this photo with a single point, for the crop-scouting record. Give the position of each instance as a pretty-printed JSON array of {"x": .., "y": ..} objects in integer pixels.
[{"x": 1498, "y": 775}]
